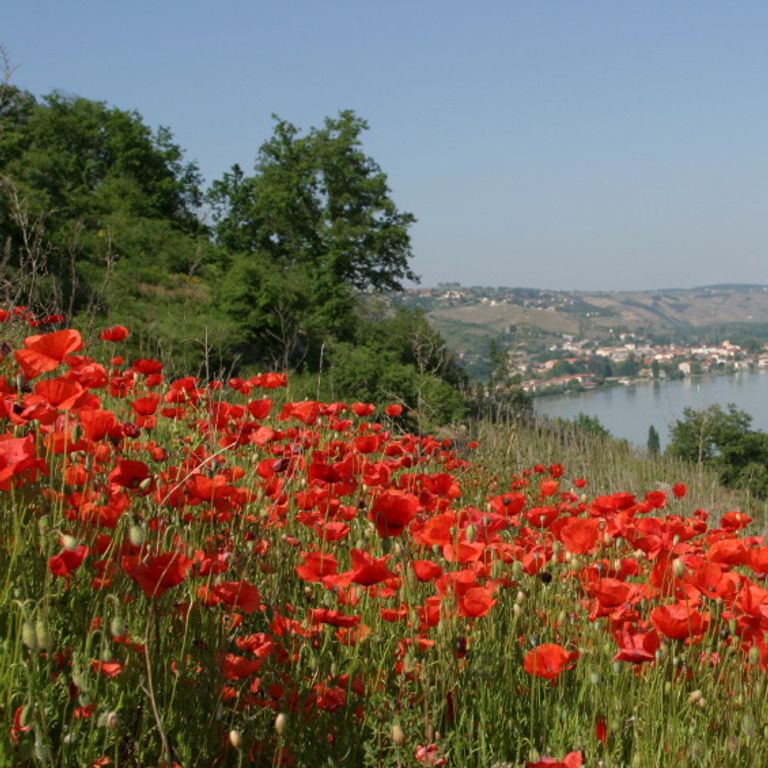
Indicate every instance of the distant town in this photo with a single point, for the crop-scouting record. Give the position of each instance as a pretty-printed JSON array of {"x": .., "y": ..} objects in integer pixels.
[
  {"x": 584, "y": 364},
  {"x": 555, "y": 341}
]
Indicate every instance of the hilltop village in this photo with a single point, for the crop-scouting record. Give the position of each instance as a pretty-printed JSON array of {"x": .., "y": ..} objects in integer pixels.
[{"x": 554, "y": 341}]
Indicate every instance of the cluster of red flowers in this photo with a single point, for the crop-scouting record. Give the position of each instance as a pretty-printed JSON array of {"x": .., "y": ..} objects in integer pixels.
[{"x": 328, "y": 474}]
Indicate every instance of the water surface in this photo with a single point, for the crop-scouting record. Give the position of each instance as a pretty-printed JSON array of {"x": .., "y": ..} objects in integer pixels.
[{"x": 628, "y": 411}]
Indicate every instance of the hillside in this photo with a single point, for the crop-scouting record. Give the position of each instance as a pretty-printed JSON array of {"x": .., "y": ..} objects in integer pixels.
[{"x": 467, "y": 316}]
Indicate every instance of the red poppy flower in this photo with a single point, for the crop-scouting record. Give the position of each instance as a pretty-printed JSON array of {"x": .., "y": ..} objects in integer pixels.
[
  {"x": 334, "y": 618},
  {"x": 426, "y": 570},
  {"x": 657, "y": 499},
  {"x": 549, "y": 660},
  {"x": 368, "y": 570},
  {"x": 679, "y": 490},
  {"x": 18, "y": 727},
  {"x": 475, "y": 602},
  {"x": 46, "y": 352},
  {"x": 679, "y": 621},
  {"x": 110, "y": 669},
  {"x": 393, "y": 410},
  {"x": 115, "y": 333},
  {"x": 67, "y": 561},
  {"x": 156, "y": 575},
  {"x": 637, "y": 647},
  {"x": 580, "y": 535},
  {"x": 133, "y": 475},
  {"x": 363, "y": 409},
  {"x": 316, "y": 566},
  {"x": 571, "y": 760},
  {"x": 307, "y": 411},
  {"x": 234, "y": 667},
  {"x": 269, "y": 380},
  {"x": 238, "y": 594},
  {"x": 392, "y": 511}
]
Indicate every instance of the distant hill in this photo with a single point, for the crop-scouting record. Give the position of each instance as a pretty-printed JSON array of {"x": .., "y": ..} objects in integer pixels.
[{"x": 468, "y": 316}]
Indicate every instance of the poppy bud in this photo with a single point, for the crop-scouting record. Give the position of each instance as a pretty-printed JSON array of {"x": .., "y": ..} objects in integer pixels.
[
  {"x": 42, "y": 751},
  {"x": 42, "y": 635},
  {"x": 594, "y": 678},
  {"x": 753, "y": 655},
  {"x": 678, "y": 568},
  {"x": 281, "y": 724},
  {"x": 113, "y": 720},
  {"x": 694, "y": 696},
  {"x": 43, "y": 524},
  {"x": 145, "y": 484},
  {"x": 28, "y": 635},
  {"x": 77, "y": 433},
  {"x": 398, "y": 735},
  {"x": 520, "y": 597},
  {"x": 136, "y": 535},
  {"x": 68, "y": 542},
  {"x": 26, "y": 716},
  {"x": 236, "y": 739},
  {"x": 117, "y": 627},
  {"x": 517, "y": 610},
  {"x": 471, "y": 532}
]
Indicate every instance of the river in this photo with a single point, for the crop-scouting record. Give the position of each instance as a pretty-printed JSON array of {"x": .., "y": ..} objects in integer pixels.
[{"x": 628, "y": 411}]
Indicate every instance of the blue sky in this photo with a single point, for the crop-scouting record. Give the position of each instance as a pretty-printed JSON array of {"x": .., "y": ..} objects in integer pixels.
[{"x": 568, "y": 144}]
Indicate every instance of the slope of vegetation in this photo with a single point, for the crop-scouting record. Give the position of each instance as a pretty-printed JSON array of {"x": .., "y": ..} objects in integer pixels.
[
  {"x": 210, "y": 573},
  {"x": 101, "y": 219}
]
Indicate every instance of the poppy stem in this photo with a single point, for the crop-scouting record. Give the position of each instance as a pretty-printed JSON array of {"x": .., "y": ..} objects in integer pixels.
[{"x": 150, "y": 692}]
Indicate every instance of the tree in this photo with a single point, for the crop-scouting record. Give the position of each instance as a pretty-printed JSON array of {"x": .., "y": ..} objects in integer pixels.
[
  {"x": 318, "y": 212},
  {"x": 700, "y": 436},
  {"x": 95, "y": 181},
  {"x": 724, "y": 440},
  {"x": 654, "y": 441},
  {"x": 590, "y": 424}
]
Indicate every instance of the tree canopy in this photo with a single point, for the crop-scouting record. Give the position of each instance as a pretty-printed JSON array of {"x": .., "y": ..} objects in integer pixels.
[
  {"x": 724, "y": 439},
  {"x": 101, "y": 217}
]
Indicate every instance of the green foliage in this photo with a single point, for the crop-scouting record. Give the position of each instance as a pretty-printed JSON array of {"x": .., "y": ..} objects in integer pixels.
[
  {"x": 100, "y": 221},
  {"x": 317, "y": 221},
  {"x": 654, "y": 441},
  {"x": 591, "y": 425},
  {"x": 317, "y": 200},
  {"x": 398, "y": 357},
  {"x": 724, "y": 440}
]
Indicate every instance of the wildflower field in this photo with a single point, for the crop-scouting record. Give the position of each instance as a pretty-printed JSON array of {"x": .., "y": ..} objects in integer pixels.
[{"x": 208, "y": 573}]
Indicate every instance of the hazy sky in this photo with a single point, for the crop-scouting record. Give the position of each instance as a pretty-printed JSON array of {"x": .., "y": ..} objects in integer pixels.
[{"x": 570, "y": 144}]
